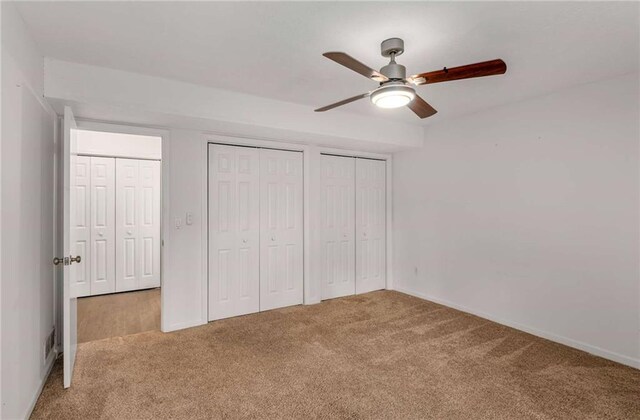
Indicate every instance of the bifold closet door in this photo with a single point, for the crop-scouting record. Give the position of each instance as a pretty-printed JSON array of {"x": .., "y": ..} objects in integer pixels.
[
  {"x": 370, "y": 225},
  {"x": 281, "y": 230},
  {"x": 338, "y": 226},
  {"x": 137, "y": 224},
  {"x": 234, "y": 231},
  {"x": 80, "y": 217},
  {"x": 102, "y": 219}
]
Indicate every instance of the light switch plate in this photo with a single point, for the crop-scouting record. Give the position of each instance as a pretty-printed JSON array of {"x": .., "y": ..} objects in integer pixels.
[
  {"x": 178, "y": 222},
  {"x": 189, "y": 218}
]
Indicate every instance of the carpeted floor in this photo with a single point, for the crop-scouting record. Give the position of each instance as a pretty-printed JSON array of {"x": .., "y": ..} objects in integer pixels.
[
  {"x": 382, "y": 355},
  {"x": 118, "y": 314}
]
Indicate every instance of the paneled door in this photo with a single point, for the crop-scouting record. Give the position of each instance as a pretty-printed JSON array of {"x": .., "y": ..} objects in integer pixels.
[
  {"x": 69, "y": 299},
  {"x": 102, "y": 219},
  {"x": 370, "y": 225},
  {"x": 149, "y": 224},
  {"x": 80, "y": 219},
  {"x": 234, "y": 231},
  {"x": 281, "y": 230},
  {"x": 137, "y": 224},
  {"x": 338, "y": 226}
]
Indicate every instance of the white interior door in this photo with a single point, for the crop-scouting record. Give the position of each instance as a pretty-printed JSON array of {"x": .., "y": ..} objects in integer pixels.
[
  {"x": 69, "y": 300},
  {"x": 338, "y": 226},
  {"x": 102, "y": 219},
  {"x": 281, "y": 229},
  {"x": 137, "y": 224},
  {"x": 127, "y": 224},
  {"x": 370, "y": 225},
  {"x": 149, "y": 226},
  {"x": 234, "y": 231},
  {"x": 80, "y": 218}
]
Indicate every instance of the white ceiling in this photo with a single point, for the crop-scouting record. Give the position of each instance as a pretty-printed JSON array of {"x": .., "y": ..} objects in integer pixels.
[{"x": 274, "y": 49}]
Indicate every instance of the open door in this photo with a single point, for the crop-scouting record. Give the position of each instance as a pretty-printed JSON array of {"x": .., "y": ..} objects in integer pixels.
[{"x": 71, "y": 257}]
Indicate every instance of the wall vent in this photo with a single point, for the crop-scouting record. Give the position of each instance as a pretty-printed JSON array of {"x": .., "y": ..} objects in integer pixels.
[{"x": 49, "y": 343}]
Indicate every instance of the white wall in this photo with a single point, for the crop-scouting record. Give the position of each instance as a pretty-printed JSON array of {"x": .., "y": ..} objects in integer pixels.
[
  {"x": 528, "y": 214},
  {"x": 27, "y": 185},
  {"x": 100, "y": 143}
]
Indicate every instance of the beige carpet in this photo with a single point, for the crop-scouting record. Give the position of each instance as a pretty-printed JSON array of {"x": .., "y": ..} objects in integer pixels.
[
  {"x": 118, "y": 314},
  {"x": 382, "y": 355}
]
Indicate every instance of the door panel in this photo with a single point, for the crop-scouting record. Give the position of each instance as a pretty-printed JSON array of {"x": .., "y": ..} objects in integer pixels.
[
  {"x": 234, "y": 232},
  {"x": 149, "y": 224},
  {"x": 338, "y": 226},
  {"x": 137, "y": 224},
  {"x": 81, "y": 219},
  {"x": 102, "y": 259},
  {"x": 127, "y": 224},
  {"x": 281, "y": 229},
  {"x": 69, "y": 201},
  {"x": 370, "y": 225}
]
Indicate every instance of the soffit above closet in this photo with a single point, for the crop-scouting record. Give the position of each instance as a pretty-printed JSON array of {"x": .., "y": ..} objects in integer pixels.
[{"x": 274, "y": 50}]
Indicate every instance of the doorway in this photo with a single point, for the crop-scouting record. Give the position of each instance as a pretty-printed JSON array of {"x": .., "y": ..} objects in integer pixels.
[
  {"x": 111, "y": 226},
  {"x": 116, "y": 222}
]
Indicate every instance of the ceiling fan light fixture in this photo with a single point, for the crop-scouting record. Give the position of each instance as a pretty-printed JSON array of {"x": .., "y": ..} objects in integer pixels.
[{"x": 392, "y": 95}]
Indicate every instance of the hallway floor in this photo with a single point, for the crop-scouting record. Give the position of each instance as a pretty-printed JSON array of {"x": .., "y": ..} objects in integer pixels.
[{"x": 118, "y": 314}]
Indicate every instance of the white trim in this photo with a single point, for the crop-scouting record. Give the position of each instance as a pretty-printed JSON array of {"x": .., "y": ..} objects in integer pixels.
[
  {"x": 50, "y": 362},
  {"x": 597, "y": 351}
]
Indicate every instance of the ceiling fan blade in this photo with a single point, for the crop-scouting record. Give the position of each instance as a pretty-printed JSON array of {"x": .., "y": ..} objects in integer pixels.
[
  {"x": 486, "y": 68},
  {"x": 353, "y": 64},
  {"x": 342, "y": 102},
  {"x": 421, "y": 108}
]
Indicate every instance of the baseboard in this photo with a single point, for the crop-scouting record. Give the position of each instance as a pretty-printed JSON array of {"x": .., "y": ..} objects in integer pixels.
[
  {"x": 52, "y": 360},
  {"x": 597, "y": 351},
  {"x": 183, "y": 325}
]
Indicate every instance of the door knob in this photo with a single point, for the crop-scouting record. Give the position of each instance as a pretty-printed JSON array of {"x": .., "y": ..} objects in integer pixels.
[
  {"x": 74, "y": 259},
  {"x": 244, "y": 240},
  {"x": 100, "y": 233},
  {"x": 128, "y": 232},
  {"x": 57, "y": 260},
  {"x": 273, "y": 238}
]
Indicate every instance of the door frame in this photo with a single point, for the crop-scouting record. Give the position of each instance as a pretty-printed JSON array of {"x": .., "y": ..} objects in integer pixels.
[{"x": 164, "y": 134}]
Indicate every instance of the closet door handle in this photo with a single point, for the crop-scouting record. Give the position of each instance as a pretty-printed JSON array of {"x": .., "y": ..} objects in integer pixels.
[
  {"x": 129, "y": 232},
  {"x": 273, "y": 238}
]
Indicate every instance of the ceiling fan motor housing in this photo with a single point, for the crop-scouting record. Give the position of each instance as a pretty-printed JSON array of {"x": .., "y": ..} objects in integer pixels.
[{"x": 394, "y": 71}]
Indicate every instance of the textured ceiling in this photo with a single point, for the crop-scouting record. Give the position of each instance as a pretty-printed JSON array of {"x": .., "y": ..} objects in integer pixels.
[{"x": 274, "y": 49}]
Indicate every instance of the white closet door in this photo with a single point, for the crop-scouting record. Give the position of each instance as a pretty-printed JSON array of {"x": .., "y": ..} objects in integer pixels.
[
  {"x": 127, "y": 197},
  {"x": 370, "y": 225},
  {"x": 137, "y": 224},
  {"x": 234, "y": 231},
  {"x": 80, "y": 216},
  {"x": 149, "y": 224},
  {"x": 338, "y": 226},
  {"x": 281, "y": 230},
  {"x": 102, "y": 247}
]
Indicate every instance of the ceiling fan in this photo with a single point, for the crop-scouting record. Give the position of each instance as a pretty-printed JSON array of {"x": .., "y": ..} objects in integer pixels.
[{"x": 396, "y": 89}]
